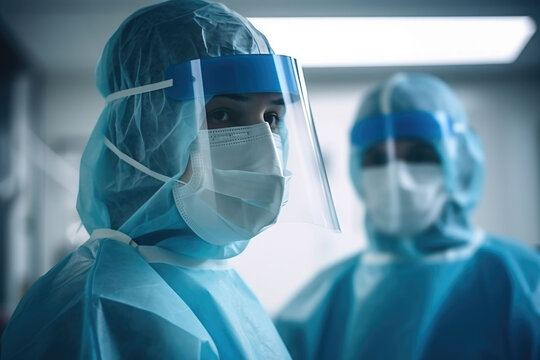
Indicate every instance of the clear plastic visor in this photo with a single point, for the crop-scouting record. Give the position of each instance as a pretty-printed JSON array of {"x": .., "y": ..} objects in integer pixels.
[
  {"x": 256, "y": 154},
  {"x": 248, "y": 154}
]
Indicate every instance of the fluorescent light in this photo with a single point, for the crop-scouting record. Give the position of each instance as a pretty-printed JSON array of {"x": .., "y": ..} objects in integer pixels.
[{"x": 377, "y": 41}]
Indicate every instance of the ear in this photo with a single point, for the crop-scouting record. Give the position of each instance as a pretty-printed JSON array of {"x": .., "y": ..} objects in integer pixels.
[{"x": 469, "y": 167}]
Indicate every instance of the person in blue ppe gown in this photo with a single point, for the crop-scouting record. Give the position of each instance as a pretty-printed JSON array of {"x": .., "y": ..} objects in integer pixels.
[
  {"x": 185, "y": 165},
  {"x": 430, "y": 284}
]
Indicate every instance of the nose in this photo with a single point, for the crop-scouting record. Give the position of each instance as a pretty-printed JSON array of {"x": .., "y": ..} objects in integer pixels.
[
  {"x": 255, "y": 114},
  {"x": 254, "y": 119}
]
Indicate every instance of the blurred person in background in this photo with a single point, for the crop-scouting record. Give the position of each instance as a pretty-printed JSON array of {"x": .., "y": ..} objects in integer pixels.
[
  {"x": 430, "y": 284},
  {"x": 187, "y": 163}
]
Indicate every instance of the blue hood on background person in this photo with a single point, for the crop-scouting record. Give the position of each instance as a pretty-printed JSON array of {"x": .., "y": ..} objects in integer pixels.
[
  {"x": 463, "y": 165},
  {"x": 152, "y": 129}
]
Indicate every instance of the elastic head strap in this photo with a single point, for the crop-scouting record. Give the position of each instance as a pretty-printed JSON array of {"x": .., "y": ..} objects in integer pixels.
[
  {"x": 139, "y": 90},
  {"x": 137, "y": 165}
]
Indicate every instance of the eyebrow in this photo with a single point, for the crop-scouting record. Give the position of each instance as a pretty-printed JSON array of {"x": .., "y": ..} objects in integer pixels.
[
  {"x": 235, "y": 97},
  {"x": 279, "y": 101}
]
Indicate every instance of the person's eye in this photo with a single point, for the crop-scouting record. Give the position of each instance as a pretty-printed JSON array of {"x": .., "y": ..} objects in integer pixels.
[
  {"x": 272, "y": 118},
  {"x": 220, "y": 118},
  {"x": 422, "y": 154},
  {"x": 374, "y": 157}
]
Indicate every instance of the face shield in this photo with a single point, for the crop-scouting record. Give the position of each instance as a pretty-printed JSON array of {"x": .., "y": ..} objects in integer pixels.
[
  {"x": 402, "y": 167},
  {"x": 252, "y": 158}
]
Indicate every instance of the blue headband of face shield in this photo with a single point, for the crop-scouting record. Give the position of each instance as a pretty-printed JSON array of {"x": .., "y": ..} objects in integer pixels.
[
  {"x": 238, "y": 74},
  {"x": 431, "y": 127}
]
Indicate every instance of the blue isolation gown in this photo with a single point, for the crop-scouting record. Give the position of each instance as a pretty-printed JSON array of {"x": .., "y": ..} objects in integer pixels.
[
  {"x": 107, "y": 301},
  {"x": 471, "y": 302}
]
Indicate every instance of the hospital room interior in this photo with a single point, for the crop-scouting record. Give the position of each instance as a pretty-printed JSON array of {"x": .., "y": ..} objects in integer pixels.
[{"x": 488, "y": 52}]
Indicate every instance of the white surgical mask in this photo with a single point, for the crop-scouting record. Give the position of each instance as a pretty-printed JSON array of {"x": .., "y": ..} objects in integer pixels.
[
  {"x": 237, "y": 184},
  {"x": 403, "y": 199}
]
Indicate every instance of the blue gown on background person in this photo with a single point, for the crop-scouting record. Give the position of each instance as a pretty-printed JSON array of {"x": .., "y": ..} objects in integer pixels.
[
  {"x": 449, "y": 292},
  {"x": 145, "y": 286}
]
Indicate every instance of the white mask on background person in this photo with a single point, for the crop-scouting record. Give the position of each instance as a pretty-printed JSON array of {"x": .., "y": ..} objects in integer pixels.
[
  {"x": 403, "y": 199},
  {"x": 237, "y": 185}
]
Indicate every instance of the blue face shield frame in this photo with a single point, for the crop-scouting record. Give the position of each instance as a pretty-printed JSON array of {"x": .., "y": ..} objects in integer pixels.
[
  {"x": 239, "y": 74},
  {"x": 431, "y": 127}
]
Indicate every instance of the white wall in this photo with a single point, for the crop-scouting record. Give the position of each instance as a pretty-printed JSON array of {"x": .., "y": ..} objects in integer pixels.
[
  {"x": 506, "y": 114},
  {"x": 71, "y": 107}
]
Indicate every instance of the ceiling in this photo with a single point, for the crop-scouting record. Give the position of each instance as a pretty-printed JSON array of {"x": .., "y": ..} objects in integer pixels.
[{"x": 70, "y": 34}]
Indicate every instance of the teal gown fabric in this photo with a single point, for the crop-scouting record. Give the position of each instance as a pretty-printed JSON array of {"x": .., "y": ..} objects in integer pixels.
[
  {"x": 479, "y": 305},
  {"x": 105, "y": 301}
]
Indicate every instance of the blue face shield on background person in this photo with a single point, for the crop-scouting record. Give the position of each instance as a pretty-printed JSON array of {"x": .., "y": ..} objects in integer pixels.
[
  {"x": 179, "y": 174},
  {"x": 428, "y": 287}
]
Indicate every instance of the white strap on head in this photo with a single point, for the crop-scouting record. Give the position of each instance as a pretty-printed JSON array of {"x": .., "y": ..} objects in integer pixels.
[
  {"x": 137, "y": 165},
  {"x": 385, "y": 103},
  {"x": 139, "y": 90},
  {"x": 105, "y": 233},
  {"x": 385, "y": 100}
]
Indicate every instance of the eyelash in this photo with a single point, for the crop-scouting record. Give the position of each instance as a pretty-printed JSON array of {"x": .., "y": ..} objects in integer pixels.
[
  {"x": 273, "y": 113},
  {"x": 231, "y": 115}
]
